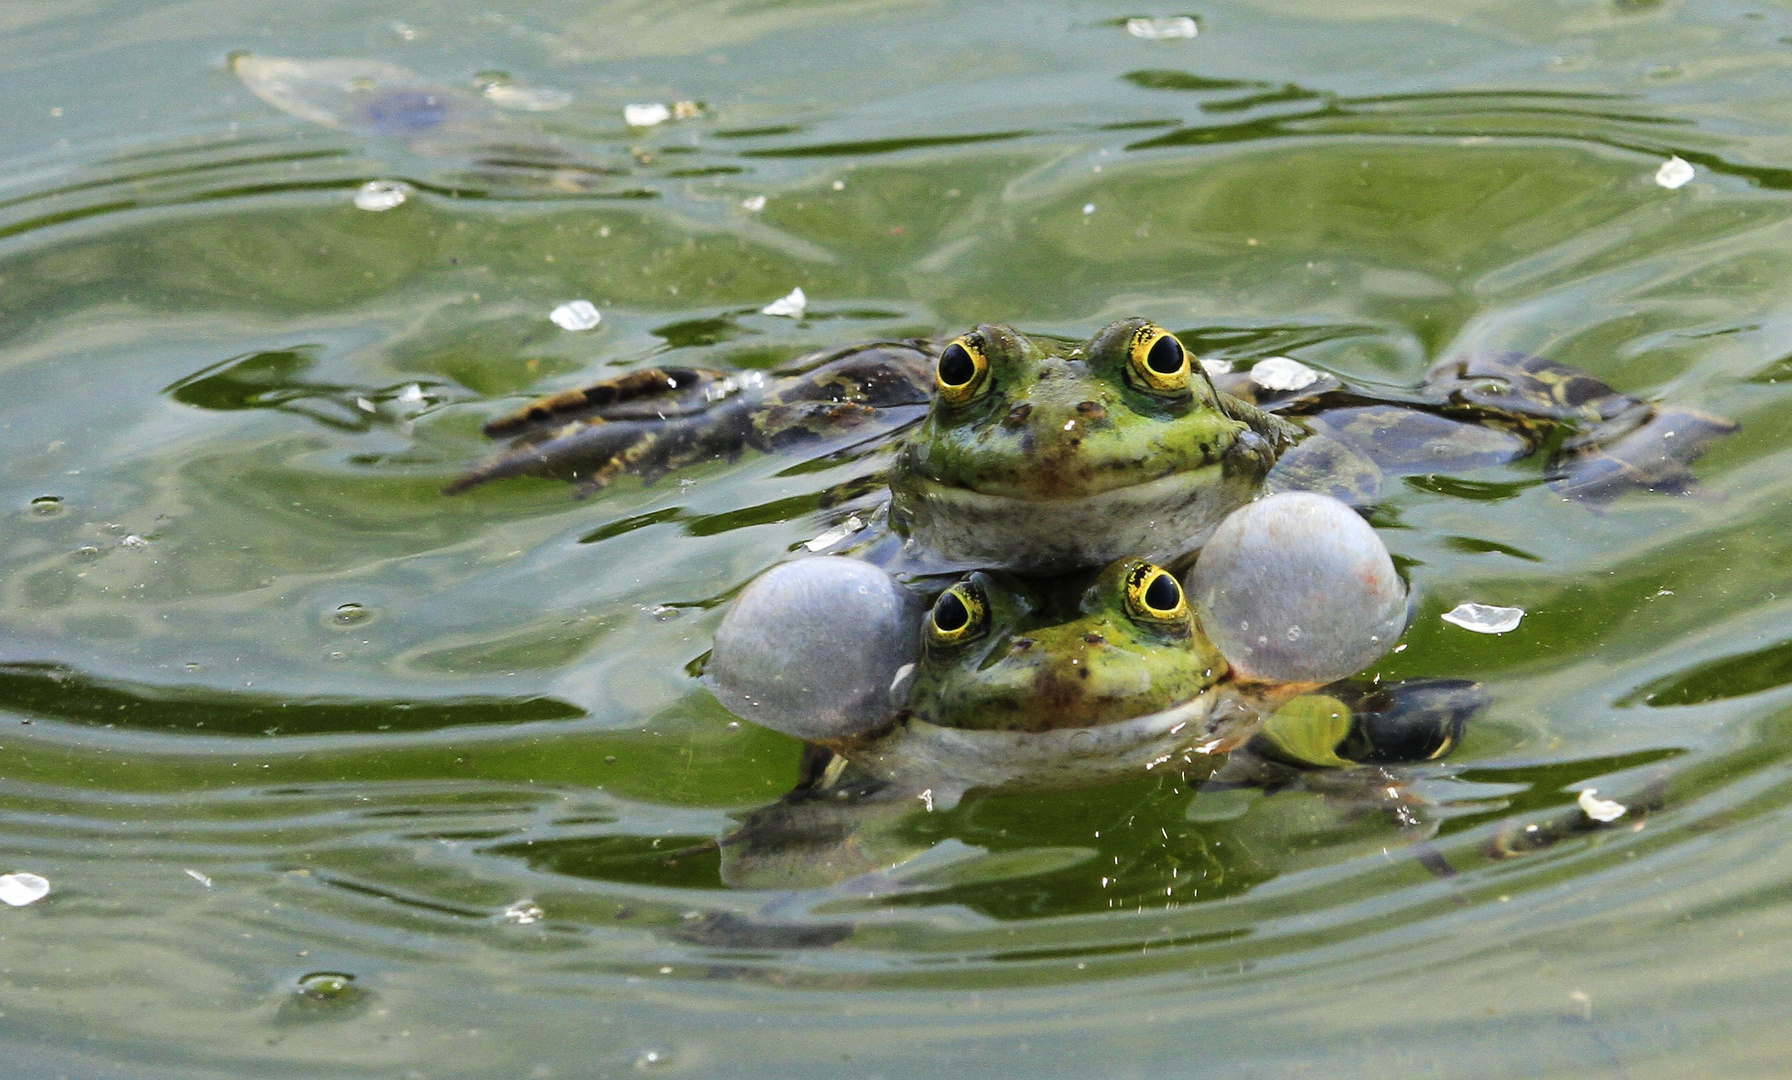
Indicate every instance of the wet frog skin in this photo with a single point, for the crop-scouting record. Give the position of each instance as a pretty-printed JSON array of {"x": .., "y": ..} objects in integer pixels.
[{"x": 1043, "y": 455}]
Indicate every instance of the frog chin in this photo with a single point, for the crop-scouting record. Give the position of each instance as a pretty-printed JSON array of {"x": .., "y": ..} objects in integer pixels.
[
  {"x": 1189, "y": 737},
  {"x": 1157, "y": 520}
]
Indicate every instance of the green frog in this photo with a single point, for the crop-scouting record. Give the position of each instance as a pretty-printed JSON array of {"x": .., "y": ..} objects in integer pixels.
[
  {"x": 1041, "y": 454},
  {"x": 1026, "y": 683}
]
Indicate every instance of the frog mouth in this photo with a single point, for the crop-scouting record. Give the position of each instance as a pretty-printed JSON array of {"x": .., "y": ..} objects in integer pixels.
[{"x": 1157, "y": 520}]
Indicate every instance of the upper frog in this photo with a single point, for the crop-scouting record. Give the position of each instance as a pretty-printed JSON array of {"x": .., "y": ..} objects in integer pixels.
[{"x": 1041, "y": 454}]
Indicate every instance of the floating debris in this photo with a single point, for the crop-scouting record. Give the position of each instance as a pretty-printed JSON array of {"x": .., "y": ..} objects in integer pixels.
[
  {"x": 755, "y": 203},
  {"x": 20, "y": 888},
  {"x": 508, "y": 96},
  {"x": 791, "y": 307},
  {"x": 1283, "y": 373},
  {"x": 652, "y": 1059},
  {"x": 649, "y": 115},
  {"x": 836, "y": 534},
  {"x": 199, "y": 877},
  {"x": 1088, "y": 208},
  {"x": 413, "y": 395},
  {"x": 1603, "y": 811},
  {"x": 1674, "y": 172},
  {"x": 377, "y": 196},
  {"x": 1484, "y": 618},
  {"x": 1217, "y": 367},
  {"x": 686, "y": 110},
  {"x": 1166, "y": 29},
  {"x": 576, "y": 315},
  {"x": 524, "y": 913},
  {"x": 134, "y": 542}
]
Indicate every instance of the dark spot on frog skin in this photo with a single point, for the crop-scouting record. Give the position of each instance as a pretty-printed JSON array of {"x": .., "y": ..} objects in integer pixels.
[
  {"x": 1091, "y": 412},
  {"x": 1094, "y": 639},
  {"x": 1021, "y": 644},
  {"x": 1018, "y": 415}
]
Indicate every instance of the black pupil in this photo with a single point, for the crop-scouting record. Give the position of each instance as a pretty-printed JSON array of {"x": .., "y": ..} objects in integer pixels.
[
  {"x": 950, "y": 615},
  {"x": 956, "y": 366},
  {"x": 1163, "y": 594},
  {"x": 1165, "y": 356}
]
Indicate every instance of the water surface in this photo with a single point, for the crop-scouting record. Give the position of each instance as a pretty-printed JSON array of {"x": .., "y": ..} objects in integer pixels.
[{"x": 273, "y": 706}]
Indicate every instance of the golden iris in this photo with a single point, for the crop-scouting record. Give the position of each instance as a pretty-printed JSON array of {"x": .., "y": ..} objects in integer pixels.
[
  {"x": 962, "y": 371},
  {"x": 1159, "y": 362}
]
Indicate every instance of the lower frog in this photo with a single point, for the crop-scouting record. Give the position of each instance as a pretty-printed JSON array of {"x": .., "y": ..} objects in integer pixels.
[
  {"x": 1018, "y": 683},
  {"x": 1043, "y": 454}
]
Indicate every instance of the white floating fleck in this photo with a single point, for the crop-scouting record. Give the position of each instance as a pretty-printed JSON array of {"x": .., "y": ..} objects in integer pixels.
[
  {"x": 836, "y": 534},
  {"x": 839, "y": 185},
  {"x": 1283, "y": 373},
  {"x": 380, "y": 195},
  {"x": 1176, "y": 26},
  {"x": 1088, "y": 208},
  {"x": 754, "y": 203},
  {"x": 413, "y": 395},
  {"x": 507, "y": 96},
  {"x": 1484, "y": 618},
  {"x": 1217, "y": 367},
  {"x": 366, "y": 406},
  {"x": 199, "y": 877},
  {"x": 523, "y": 912},
  {"x": 1674, "y": 172},
  {"x": 134, "y": 542},
  {"x": 576, "y": 315},
  {"x": 791, "y": 307},
  {"x": 645, "y": 115},
  {"x": 1600, "y": 810},
  {"x": 20, "y": 888}
]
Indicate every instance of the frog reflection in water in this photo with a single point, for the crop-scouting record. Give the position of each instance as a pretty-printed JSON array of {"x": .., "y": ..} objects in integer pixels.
[
  {"x": 1030, "y": 684},
  {"x": 1041, "y": 454}
]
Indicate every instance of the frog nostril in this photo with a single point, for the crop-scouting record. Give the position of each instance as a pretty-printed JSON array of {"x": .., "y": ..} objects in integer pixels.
[
  {"x": 1094, "y": 639},
  {"x": 1091, "y": 411},
  {"x": 1018, "y": 415}
]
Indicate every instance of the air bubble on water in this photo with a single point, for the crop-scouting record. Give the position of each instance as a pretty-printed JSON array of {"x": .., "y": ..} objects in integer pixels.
[
  {"x": 1484, "y": 618},
  {"x": 666, "y": 612},
  {"x": 377, "y": 196},
  {"x": 413, "y": 395},
  {"x": 20, "y": 888},
  {"x": 523, "y": 913},
  {"x": 1675, "y": 172},
  {"x": 576, "y": 315},
  {"x": 47, "y": 505},
  {"x": 791, "y": 306},
  {"x": 651, "y": 1059},
  {"x": 1088, "y": 208},
  {"x": 350, "y": 614},
  {"x": 1283, "y": 373},
  {"x": 646, "y": 115},
  {"x": 1171, "y": 28},
  {"x": 87, "y": 552}
]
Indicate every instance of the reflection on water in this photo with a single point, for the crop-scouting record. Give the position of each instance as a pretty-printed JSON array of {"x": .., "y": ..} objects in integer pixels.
[{"x": 243, "y": 634}]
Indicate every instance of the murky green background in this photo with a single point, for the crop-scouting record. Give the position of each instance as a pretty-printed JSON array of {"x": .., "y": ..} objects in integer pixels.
[{"x": 207, "y": 354}]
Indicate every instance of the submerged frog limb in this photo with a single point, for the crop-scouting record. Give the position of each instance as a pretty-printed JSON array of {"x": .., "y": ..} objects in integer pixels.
[
  {"x": 1486, "y": 410},
  {"x": 656, "y": 420}
]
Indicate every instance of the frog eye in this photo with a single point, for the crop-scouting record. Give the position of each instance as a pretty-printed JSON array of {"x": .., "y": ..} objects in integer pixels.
[
  {"x": 1154, "y": 595},
  {"x": 1159, "y": 362},
  {"x": 962, "y": 370},
  {"x": 958, "y": 615}
]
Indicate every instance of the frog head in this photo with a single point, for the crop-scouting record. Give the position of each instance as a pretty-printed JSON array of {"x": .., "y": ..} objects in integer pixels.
[
  {"x": 1041, "y": 454},
  {"x": 1016, "y": 654}
]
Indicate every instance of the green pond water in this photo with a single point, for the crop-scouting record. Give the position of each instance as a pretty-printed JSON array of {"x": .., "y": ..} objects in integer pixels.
[{"x": 273, "y": 706}]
